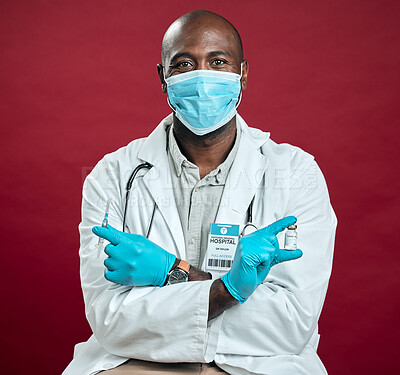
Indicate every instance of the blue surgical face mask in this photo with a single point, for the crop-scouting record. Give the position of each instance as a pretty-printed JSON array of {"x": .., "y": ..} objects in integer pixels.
[{"x": 204, "y": 100}]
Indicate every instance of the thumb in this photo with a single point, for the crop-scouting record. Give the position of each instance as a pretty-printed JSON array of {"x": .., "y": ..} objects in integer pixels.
[
  {"x": 108, "y": 233},
  {"x": 285, "y": 255}
]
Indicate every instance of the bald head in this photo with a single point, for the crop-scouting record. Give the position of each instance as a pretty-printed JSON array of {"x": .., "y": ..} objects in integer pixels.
[
  {"x": 201, "y": 40},
  {"x": 198, "y": 21}
]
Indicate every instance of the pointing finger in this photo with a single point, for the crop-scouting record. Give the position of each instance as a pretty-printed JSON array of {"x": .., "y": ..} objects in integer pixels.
[
  {"x": 280, "y": 225},
  {"x": 122, "y": 234},
  {"x": 111, "y": 235}
]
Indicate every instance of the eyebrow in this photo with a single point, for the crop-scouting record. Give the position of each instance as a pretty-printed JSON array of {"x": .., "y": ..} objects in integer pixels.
[
  {"x": 179, "y": 55},
  {"x": 218, "y": 53},
  {"x": 188, "y": 54}
]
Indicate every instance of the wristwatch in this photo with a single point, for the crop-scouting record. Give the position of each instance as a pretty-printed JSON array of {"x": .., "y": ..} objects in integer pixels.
[{"x": 179, "y": 274}]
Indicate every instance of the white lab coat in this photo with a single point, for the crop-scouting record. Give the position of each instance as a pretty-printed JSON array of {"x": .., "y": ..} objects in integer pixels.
[{"x": 274, "y": 331}]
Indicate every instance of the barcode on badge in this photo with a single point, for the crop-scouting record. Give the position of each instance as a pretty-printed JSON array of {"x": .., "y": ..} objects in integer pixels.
[{"x": 219, "y": 263}]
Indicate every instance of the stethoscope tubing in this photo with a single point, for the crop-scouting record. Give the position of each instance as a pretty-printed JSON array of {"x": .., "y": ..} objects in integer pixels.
[
  {"x": 148, "y": 166},
  {"x": 128, "y": 190}
]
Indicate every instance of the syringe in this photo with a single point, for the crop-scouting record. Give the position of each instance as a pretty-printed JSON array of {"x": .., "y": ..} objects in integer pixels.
[{"x": 104, "y": 224}]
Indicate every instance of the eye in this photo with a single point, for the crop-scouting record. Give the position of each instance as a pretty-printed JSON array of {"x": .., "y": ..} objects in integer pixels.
[
  {"x": 218, "y": 62},
  {"x": 183, "y": 64},
  {"x": 181, "y": 67}
]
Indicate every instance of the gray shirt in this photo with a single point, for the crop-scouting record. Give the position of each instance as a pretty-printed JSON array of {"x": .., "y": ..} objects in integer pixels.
[{"x": 197, "y": 199}]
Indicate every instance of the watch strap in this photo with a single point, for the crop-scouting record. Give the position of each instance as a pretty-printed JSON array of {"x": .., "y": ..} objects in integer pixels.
[{"x": 184, "y": 266}]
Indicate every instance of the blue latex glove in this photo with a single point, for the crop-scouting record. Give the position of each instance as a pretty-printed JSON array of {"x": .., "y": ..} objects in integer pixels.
[
  {"x": 134, "y": 260},
  {"x": 256, "y": 253}
]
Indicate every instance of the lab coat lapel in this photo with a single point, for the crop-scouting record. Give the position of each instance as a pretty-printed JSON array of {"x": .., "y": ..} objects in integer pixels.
[
  {"x": 244, "y": 178},
  {"x": 158, "y": 182}
]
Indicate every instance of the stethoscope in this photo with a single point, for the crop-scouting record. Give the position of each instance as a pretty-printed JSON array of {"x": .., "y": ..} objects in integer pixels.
[
  {"x": 247, "y": 229},
  {"x": 129, "y": 184}
]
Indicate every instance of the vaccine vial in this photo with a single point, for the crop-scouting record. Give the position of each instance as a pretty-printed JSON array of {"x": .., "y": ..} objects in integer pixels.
[{"x": 291, "y": 238}]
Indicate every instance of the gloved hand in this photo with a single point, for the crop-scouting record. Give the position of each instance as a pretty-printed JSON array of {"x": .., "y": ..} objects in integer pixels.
[
  {"x": 134, "y": 260},
  {"x": 256, "y": 253}
]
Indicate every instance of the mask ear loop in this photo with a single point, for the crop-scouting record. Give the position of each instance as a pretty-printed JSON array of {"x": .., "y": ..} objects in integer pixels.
[
  {"x": 240, "y": 97},
  {"x": 173, "y": 109},
  {"x": 239, "y": 100},
  {"x": 165, "y": 80}
]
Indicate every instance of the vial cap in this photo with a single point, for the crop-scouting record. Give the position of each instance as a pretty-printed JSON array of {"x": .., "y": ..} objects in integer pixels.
[{"x": 294, "y": 226}]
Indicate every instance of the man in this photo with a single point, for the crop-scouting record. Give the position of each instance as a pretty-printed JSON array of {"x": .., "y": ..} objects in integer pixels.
[{"x": 174, "y": 302}]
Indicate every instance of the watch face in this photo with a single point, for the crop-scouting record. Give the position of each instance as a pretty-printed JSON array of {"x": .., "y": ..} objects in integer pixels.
[{"x": 177, "y": 276}]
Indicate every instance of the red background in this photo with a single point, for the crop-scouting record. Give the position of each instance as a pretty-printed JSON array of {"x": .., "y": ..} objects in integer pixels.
[{"x": 78, "y": 80}]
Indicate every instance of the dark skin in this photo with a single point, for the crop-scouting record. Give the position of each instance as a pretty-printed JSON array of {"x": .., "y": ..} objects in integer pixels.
[{"x": 205, "y": 42}]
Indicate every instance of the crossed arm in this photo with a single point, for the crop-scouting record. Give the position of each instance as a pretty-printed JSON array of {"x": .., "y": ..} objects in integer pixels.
[
  {"x": 133, "y": 260},
  {"x": 220, "y": 299}
]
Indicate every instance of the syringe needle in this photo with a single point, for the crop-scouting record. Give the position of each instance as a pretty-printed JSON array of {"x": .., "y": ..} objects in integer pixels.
[
  {"x": 105, "y": 220},
  {"x": 108, "y": 205}
]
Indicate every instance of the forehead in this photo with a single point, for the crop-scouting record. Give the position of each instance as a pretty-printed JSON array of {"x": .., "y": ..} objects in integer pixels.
[{"x": 200, "y": 37}]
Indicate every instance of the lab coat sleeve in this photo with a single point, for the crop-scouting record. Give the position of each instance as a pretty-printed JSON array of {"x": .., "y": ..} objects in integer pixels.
[
  {"x": 165, "y": 324},
  {"x": 281, "y": 316}
]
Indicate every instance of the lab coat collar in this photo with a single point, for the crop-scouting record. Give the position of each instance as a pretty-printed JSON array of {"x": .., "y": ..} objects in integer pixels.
[
  {"x": 243, "y": 179},
  {"x": 154, "y": 147},
  {"x": 149, "y": 151}
]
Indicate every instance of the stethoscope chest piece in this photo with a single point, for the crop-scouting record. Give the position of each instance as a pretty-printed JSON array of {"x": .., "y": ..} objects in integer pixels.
[{"x": 247, "y": 229}]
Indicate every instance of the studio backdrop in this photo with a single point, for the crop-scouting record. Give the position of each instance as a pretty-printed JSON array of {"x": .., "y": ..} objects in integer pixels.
[{"x": 78, "y": 80}]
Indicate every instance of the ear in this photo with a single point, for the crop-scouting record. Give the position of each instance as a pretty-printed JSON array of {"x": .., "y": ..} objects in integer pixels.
[
  {"x": 245, "y": 72},
  {"x": 160, "y": 71}
]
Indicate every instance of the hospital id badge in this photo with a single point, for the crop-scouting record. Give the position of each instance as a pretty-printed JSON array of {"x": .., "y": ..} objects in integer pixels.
[{"x": 222, "y": 242}]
